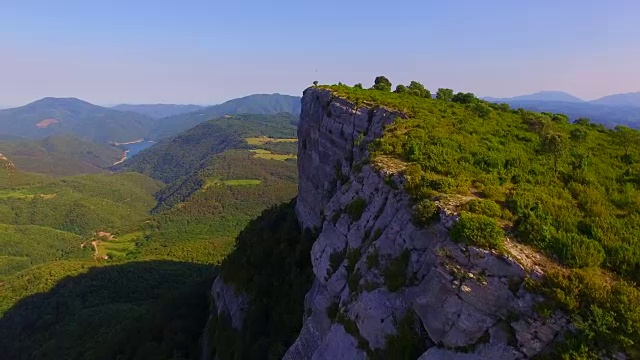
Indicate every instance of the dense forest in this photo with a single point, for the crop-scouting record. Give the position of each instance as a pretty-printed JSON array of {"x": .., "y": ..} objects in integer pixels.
[
  {"x": 178, "y": 156},
  {"x": 140, "y": 290},
  {"x": 272, "y": 264},
  {"x": 571, "y": 190},
  {"x": 61, "y": 155}
]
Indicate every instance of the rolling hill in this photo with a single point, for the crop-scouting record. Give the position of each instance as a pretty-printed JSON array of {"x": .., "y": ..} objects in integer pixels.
[
  {"x": 158, "y": 111},
  {"x": 54, "y": 116},
  {"x": 252, "y": 104},
  {"x": 180, "y": 155},
  {"x": 629, "y": 99},
  {"x": 60, "y": 155}
]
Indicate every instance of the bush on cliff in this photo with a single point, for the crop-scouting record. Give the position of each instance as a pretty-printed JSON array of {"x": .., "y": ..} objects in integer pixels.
[{"x": 478, "y": 230}]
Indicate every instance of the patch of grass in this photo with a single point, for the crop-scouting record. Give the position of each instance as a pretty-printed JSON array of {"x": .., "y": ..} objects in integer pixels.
[
  {"x": 242, "y": 182},
  {"x": 261, "y": 140},
  {"x": 271, "y": 156}
]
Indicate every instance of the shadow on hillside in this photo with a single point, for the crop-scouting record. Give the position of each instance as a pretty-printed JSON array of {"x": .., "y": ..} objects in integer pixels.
[{"x": 138, "y": 310}]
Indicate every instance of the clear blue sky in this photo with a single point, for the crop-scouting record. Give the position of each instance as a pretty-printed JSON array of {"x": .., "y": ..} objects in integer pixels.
[{"x": 206, "y": 52}]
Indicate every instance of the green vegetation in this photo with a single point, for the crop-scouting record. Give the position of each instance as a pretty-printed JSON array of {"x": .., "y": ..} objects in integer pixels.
[
  {"x": 571, "y": 190},
  {"x": 483, "y": 207},
  {"x": 356, "y": 207},
  {"x": 193, "y": 226},
  {"x": 395, "y": 274},
  {"x": 150, "y": 309},
  {"x": 61, "y": 155},
  {"x": 269, "y": 156},
  {"x": 265, "y": 104},
  {"x": 478, "y": 230},
  {"x": 425, "y": 212},
  {"x": 261, "y": 140},
  {"x": 408, "y": 343},
  {"x": 272, "y": 264},
  {"x": 174, "y": 158}
]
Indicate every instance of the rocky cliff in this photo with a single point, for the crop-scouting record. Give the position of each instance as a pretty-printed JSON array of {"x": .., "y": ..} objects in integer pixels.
[{"x": 380, "y": 280}]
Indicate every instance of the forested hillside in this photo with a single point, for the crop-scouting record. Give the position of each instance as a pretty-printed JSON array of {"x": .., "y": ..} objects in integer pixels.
[
  {"x": 570, "y": 190},
  {"x": 158, "y": 111},
  {"x": 132, "y": 284},
  {"x": 180, "y": 155},
  {"x": 60, "y": 155},
  {"x": 269, "y": 104},
  {"x": 51, "y": 116}
]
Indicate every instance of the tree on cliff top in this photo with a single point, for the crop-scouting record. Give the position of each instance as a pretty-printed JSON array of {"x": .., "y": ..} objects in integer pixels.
[{"x": 382, "y": 83}]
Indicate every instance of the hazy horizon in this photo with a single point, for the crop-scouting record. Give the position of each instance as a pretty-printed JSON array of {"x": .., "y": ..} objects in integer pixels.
[{"x": 198, "y": 52}]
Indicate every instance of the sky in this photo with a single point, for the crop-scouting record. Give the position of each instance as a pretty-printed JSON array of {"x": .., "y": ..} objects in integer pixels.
[{"x": 206, "y": 52}]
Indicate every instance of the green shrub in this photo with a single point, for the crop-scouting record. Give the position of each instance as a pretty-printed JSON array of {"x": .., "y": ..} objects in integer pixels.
[
  {"x": 356, "y": 208},
  {"x": 425, "y": 212},
  {"x": 395, "y": 274},
  {"x": 408, "y": 343},
  {"x": 373, "y": 259},
  {"x": 578, "y": 251},
  {"x": 483, "y": 207},
  {"x": 478, "y": 230}
]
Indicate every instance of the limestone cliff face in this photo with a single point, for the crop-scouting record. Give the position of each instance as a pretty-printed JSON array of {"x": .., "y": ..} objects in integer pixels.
[
  {"x": 468, "y": 303},
  {"x": 374, "y": 268}
]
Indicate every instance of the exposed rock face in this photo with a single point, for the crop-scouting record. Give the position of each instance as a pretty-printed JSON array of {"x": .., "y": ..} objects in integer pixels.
[
  {"x": 374, "y": 267},
  {"x": 229, "y": 301},
  {"x": 469, "y": 301}
]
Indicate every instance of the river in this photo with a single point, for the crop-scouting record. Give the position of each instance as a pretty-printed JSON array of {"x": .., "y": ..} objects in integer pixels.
[{"x": 133, "y": 148}]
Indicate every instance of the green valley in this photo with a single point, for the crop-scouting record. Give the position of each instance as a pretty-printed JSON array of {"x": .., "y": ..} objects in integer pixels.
[{"x": 127, "y": 254}]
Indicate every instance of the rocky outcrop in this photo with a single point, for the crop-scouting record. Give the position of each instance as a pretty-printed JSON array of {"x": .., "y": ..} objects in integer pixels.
[{"x": 374, "y": 267}]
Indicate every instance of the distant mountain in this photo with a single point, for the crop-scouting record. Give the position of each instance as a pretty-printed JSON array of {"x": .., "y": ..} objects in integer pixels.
[
  {"x": 53, "y": 116},
  {"x": 178, "y": 156},
  {"x": 540, "y": 96},
  {"x": 628, "y": 99},
  {"x": 607, "y": 115},
  {"x": 252, "y": 104},
  {"x": 158, "y": 111},
  {"x": 60, "y": 155}
]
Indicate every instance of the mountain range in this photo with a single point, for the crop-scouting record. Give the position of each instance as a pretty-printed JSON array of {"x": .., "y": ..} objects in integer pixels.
[
  {"x": 252, "y": 104},
  {"x": 124, "y": 123},
  {"x": 158, "y": 111},
  {"x": 627, "y": 99},
  {"x": 55, "y": 116},
  {"x": 612, "y": 110}
]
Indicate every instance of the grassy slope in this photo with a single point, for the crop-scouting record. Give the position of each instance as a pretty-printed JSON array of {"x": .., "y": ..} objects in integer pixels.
[{"x": 571, "y": 190}]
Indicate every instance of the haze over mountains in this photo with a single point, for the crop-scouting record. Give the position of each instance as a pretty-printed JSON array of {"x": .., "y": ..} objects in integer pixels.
[
  {"x": 627, "y": 99},
  {"x": 71, "y": 116},
  {"x": 612, "y": 110},
  {"x": 157, "y": 111}
]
